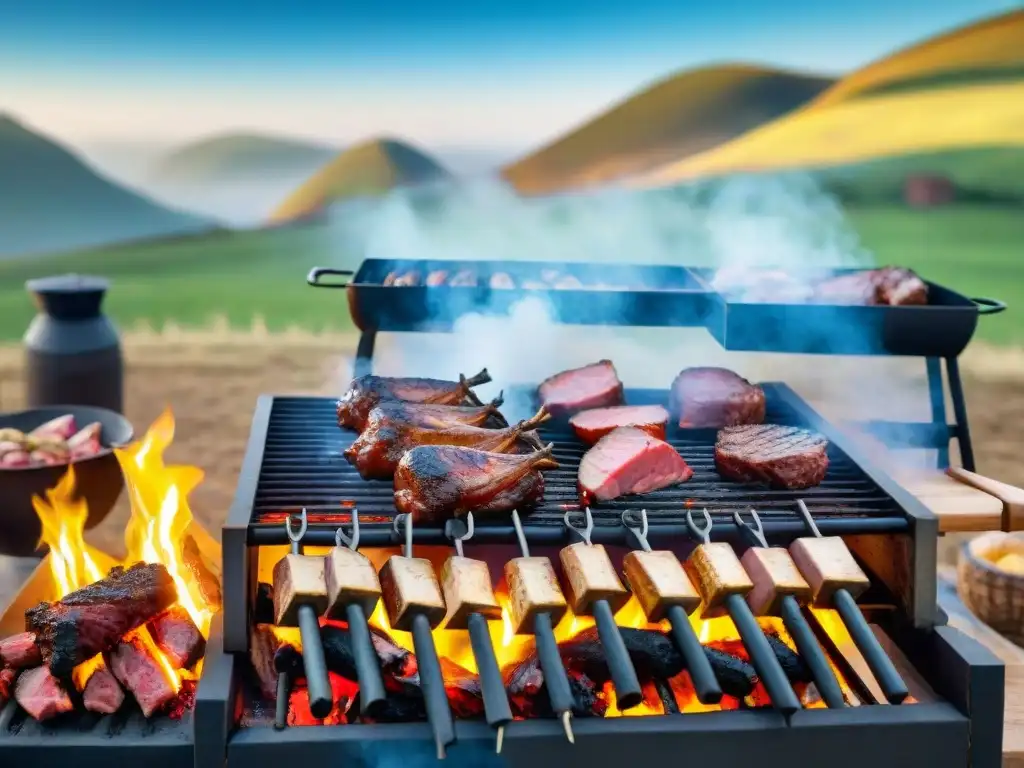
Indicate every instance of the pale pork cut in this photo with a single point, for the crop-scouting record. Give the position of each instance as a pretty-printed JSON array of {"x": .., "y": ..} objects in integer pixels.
[
  {"x": 591, "y": 425},
  {"x": 630, "y": 461},
  {"x": 591, "y": 386}
]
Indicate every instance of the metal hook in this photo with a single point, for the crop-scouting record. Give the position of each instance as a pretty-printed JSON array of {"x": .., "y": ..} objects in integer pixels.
[
  {"x": 805, "y": 513},
  {"x": 449, "y": 531},
  {"x": 296, "y": 537},
  {"x": 639, "y": 532},
  {"x": 702, "y": 535},
  {"x": 404, "y": 521},
  {"x": 341, "y": 539},
  {"x": 524, "y": 546},
  {"x": 756, "y": 531},
  {"x": 585, "y": 532}
]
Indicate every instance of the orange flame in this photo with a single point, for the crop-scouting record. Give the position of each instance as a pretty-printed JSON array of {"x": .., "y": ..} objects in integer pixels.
[{"x": 161, "y": 514}]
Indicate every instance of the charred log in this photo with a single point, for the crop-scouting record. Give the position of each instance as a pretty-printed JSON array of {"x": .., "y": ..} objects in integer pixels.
[
  {"x": 262, "y": 645},
  {"x": 529, "y": 697},
  {"x": 394, "y": 660},
  {"x": 794, "y": 667},
  {"x": 178, "y": 637},
  {"x": 93, "y": 619},
  {"x": 263, "y": 606},
  {"x": 209, "y": 583}
]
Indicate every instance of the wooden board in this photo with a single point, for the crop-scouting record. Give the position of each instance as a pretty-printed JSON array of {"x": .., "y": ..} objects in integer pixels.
[
  {"x": 959, "y": 507},
  {"x": 1012, "y": 655}
]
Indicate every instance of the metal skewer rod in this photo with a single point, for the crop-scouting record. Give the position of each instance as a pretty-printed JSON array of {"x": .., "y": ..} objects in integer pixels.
[
  {"x": 371, "y": 683},
  {"x": 881, "y": 666},
  {"x": 628, "y": 692},
  {"x": 761, "y": 655},
  {"x": 803, "y": 637},
  {"x": 496, "y": 707},
  {"x": 556, "y": 680},
  {"x": 702, "y": 676},
  {"x": 435, "y": 699}
]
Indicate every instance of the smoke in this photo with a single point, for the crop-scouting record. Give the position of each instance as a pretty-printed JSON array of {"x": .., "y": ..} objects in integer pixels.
[{"x": 731, "y": 226}]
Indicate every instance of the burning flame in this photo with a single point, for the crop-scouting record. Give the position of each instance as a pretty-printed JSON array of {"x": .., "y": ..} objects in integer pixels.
[
  {"x": 156, "y": 533},
  {"x": 161, "y": 514}
]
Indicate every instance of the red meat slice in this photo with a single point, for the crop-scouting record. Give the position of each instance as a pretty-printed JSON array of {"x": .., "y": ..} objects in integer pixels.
[
  {"x": 628, "y": 460},
  {"x": 102, "y": 693},
  {"x": 20, "y": 651},
  {"x": 591, "y": 386},
  {"x": 716, "y": 397},
  {"x": 39, "y": 693},
  {"x": 592, "y": 425}
]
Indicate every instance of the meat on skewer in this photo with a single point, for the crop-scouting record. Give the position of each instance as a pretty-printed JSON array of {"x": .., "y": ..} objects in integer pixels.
[
  {"x": 437, "y": 482},
  {"x": 94, "y": 619},
  {"x": 437, "y": 416},
  {"x": 366, "y": 392},
  {"x": 377, "y": 451}
]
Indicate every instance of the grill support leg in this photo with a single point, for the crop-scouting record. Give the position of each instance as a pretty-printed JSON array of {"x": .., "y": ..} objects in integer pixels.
[
  {"x": 363, "y": 364},
  {"x": 937, "y": 396},
  {"x": 963, "y": 432}
]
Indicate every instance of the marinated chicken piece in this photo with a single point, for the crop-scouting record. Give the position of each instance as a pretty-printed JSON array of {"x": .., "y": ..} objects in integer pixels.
[
  {"x": 438, "y": 482},
  {"x": 377, "y": 451},
  {"x": 436, "y": 416},
  {"x": 366, "y": 392}
]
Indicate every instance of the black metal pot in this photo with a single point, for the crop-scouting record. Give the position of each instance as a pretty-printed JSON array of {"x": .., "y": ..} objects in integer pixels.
[{"x": 98, "y": 479}]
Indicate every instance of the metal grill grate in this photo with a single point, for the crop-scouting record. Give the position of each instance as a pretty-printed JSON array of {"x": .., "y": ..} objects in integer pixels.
[{"x": 302, "y": 466}]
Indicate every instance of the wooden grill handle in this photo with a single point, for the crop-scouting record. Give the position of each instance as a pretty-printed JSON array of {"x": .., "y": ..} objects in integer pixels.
[{"x": 1011, "y": 497}]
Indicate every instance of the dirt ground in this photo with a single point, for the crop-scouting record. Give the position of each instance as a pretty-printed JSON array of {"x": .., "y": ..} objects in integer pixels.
[{"x": 212, "y": 382}]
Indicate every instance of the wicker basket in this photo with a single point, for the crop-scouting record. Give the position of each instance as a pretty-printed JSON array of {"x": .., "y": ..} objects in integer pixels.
[{"x": 995, "y": 596}]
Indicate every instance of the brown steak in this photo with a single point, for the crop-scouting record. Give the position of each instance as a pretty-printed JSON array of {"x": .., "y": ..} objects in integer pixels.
[
  {"x": 591, "y": 425},
  {"x": 715, "y": 397},
  {"x": 93, "y": 619},
  {"x": 888, "y": 286},
  {"x": 591, "y": 386},
  {"x": 629, "y": 460},
  {"x": 782, "y": 457}
]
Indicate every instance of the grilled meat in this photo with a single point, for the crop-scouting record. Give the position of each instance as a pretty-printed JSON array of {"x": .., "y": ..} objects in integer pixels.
[
  {"x": 20, "y": 651},
  {"x": 715, "y": 397},
  {"x": 591, "y": 386},
  {"x": 437, "y": 416},
  {"x": 590, "y": 426},
  {"x": 628, "y": 460},
  {"x": 377, "y": 451},
  {"x": 502, "y": 280},
  {"x": 783, "y": 457},
  {"x": 399, "y": 279},
  {"x": 888, "y": 286},
  {"x": 437, "y": 482},
  {"x": 39, "y": 693},
  {"x": 141, "y": 674},
  {"x": 93, "y": 619},
  {"x": 102, "y": 694},
  {"x": 7, "y": 678},
  {"x": 437, "y": 277},
  {"x": 177, "y": 636},
  {"x": 463, "y": 278},
  {"x": 366, "y": 392}
]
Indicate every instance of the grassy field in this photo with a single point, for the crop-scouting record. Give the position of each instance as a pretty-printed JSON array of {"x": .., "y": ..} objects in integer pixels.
[{"x": 243, "y": 275}]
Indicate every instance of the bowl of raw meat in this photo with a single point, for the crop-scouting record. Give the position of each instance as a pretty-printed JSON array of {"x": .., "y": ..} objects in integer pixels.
[{"x": 37, "y": 447}]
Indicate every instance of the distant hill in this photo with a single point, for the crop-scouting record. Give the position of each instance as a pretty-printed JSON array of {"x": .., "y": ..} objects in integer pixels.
[
  {"x": 240, "y": 157},
  {"x": 889, "y": 108},
  {"x": 988, "y": 50},
  {"x": 52, "y": 200},
  {"x": 679, "y": 116},
  {"x": 367, "y": 169}
]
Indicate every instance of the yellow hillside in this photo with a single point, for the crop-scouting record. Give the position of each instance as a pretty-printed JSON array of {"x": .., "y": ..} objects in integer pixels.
[
  {"x": 367, "y": 169},
  {"x": 680, "y": 115},
  {"x": 991, "y": 45},
  {"x": 900, "y": 123}
]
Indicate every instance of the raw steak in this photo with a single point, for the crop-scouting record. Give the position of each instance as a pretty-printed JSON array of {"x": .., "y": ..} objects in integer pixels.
[
  {"x": 39, "y": 693},
  {"x": 592, "y": 425},
  {"x": 715, "y": 397},
  {"x": 591, "y": 386},
  {"x": 136, "y": 669},
  {"x": 628, "y": 460},
  {"x": 783, "y": 457}
]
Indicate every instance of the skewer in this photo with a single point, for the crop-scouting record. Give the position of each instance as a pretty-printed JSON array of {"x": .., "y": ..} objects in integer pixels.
[
  {"x": 723, "y": 582},
  {"x": 836, "y": 580},
  {"x": 596, "y": 590},
  {"x": 534, "y": 596},
  {"x": 781, "y": 589},
  {"x": 353, "y": 590},
  {"x": 300, "y": 596},
  {"x": 471, "y": 602},
  {"x": 412, "y": 596},
  {"x": 665, "y": 591}
]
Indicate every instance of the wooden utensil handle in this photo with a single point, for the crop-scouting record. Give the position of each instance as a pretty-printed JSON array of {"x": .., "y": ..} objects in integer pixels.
[{"x": 1011, "y": 497}]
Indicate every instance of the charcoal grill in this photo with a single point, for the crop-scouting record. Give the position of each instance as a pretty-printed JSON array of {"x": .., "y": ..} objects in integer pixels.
[
  {"x": 294, "y": 461},
  {"x": 663, "y": 296}
]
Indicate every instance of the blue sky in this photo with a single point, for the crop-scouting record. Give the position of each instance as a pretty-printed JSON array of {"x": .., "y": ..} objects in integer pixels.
[{"x": 455, "y": 73}]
